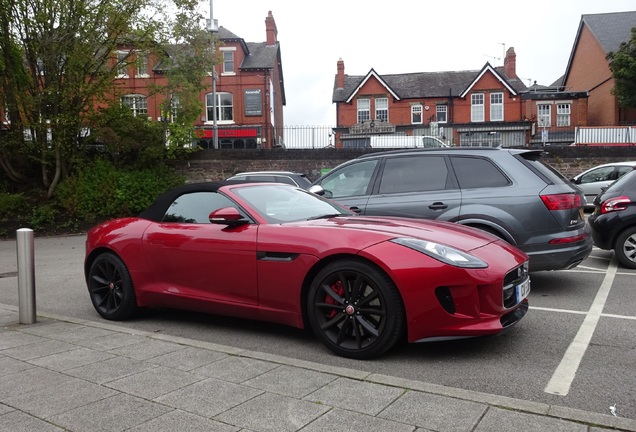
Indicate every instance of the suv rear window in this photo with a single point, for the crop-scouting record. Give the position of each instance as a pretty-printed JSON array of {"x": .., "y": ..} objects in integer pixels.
[
  {"x": 544, "y": 171},
  {"x": 474, "y": 173}
]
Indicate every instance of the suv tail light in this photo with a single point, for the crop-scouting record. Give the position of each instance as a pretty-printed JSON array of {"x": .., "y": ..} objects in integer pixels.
[
  {"x": 615, "y": 204},
  {"x": 561, "y": 201}
]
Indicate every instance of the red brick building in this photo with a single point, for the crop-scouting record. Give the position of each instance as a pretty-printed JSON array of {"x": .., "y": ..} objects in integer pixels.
[
  {"x": 486, "y": 107},
  {"x": 250, "y": 92},
  {"x": 588, "y": 70}
]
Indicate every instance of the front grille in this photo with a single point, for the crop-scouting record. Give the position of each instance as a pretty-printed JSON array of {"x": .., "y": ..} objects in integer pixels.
[{"x": 513, "y": 278}]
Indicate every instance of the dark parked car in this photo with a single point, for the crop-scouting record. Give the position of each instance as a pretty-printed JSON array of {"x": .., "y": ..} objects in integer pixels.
[
  {"x": 593, "y": 180},
  {"x": 287, "y": 177},
  {"x": 507, "y": 192},
  {"x": 278, "y": 253},
  {"x": 613, "y": 222}
]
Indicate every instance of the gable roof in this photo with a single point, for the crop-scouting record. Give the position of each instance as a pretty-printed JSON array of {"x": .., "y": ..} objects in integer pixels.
[
  {"x": 609, "y": 30},
  {"x": 488, "y": 68},
  {"x": 421, "y": 84},
  {"x": 258, "y": 56},
  {"x": 372, "y": 73}
]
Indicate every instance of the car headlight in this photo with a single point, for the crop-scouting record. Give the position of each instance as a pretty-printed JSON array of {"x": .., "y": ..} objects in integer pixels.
[{"x": 443, "y": 253}]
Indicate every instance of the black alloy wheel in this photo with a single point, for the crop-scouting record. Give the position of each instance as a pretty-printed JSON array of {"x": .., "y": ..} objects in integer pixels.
[
  {"x": 110, "y": 288},
  {"x": 355, "y": 309}
]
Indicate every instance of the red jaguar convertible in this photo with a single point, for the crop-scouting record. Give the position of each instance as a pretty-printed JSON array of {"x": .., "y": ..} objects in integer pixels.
[{"x": 278, "y": 253}]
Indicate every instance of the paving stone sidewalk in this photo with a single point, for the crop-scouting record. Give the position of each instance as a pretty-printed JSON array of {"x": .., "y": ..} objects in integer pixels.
[{"x": 65, "y": 374}]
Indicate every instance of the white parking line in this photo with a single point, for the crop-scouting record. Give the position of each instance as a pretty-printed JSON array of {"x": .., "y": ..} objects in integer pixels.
[
  {"x": 558, "y": 310},
  {"x": 575, "y": 312},
  {"x": 564, "y": 374}
]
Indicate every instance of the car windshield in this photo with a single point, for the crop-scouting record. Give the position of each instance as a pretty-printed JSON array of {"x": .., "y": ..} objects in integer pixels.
[{"x": 281, "y": 203}]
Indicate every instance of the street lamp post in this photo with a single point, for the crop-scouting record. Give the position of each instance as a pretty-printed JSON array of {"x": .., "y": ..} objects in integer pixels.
[{"x": 213, "y": 28}]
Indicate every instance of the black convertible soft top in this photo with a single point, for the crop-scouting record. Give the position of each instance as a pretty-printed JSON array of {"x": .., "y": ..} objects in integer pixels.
[{"x": 157, "y": 209}]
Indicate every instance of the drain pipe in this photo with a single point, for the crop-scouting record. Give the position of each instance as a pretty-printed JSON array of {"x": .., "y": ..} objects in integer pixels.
[{"x": 26, "y": 275}]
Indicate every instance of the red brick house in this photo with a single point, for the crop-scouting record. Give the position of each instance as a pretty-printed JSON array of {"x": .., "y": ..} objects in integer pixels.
[
  {"x": 588, "y": 70},
  {"x": 250, "y": 92},
  {"x": 487, "y": 107}
]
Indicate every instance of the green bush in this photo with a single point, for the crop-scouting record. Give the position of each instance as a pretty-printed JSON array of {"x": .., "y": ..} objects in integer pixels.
[
  {"x": 12, "y": 206},
  {"x": 101, "y": 191},
  {"x": 42, "y": 216}
]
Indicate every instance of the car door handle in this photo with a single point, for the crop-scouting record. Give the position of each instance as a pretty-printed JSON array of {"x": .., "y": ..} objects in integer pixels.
[
  {"x": 438, "y": 206},
  {"x": 355, "y": 209}
]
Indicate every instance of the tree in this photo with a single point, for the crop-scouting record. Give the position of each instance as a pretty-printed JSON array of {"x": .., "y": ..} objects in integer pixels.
[
  {"x": 622, "y": 63},
  {"x": 187, "y": 62},
  {"x": 57, "y": 64}
]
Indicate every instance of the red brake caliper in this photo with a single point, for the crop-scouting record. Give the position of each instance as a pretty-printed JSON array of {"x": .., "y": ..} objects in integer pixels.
[{"x": 337, "y": 288}]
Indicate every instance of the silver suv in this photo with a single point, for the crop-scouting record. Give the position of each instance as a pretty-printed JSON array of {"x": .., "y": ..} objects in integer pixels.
[{"x": 507, "y": 192}]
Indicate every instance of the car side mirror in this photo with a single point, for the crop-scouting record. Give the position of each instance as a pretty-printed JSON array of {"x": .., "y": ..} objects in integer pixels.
[
  {"x": 229, "y": 216},
  {"x": 317, "y": 189}
]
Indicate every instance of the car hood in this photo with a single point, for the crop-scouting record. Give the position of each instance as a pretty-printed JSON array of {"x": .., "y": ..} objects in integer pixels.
[{"x": 369, "y": 230}]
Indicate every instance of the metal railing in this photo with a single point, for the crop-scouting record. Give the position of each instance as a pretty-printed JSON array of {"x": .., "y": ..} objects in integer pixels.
[{"x": 482, "y": 135}]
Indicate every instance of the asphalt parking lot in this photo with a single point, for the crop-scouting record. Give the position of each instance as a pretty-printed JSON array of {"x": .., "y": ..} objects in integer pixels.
[{"x": 576, "y": 347}]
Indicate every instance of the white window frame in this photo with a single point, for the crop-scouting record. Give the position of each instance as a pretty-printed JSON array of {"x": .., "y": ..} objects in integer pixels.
[
  {"x": 137, "y": 103},
  {"x": 142, "y": 64},
  {"x": 224, "y": 108},
  {"x": 382, "y": 109},
  {"x": 228, "y": 64},
  {"x": 175, "y": 105},
  {"x": 417, "y": 110},
  {"x": 477, "y": 107},
  {"x": 122, "y": 64},
  {"x": 364, "y": 110},
  {"x": 497, "y": 106},
  {"x": 544, "y": 115},
  {"x": 564, "y": 111},
  {"x": 441, "y": 109}
]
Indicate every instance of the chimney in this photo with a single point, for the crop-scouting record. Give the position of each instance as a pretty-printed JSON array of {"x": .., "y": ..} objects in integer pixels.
[
  {"x": 340, "y": 78},
  {"x": 270, "y": 29},
  {"x": 510, "y": 63}
]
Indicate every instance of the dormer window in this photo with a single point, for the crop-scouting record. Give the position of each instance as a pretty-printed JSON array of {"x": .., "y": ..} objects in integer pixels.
[{"x": 228, "y": 60}]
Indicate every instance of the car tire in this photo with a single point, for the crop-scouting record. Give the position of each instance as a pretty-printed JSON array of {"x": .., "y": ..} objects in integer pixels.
[
  {"x": 625, "y": 248},
  {"x": 111, "y": 289},
  {"x": 355, "y": 309}
]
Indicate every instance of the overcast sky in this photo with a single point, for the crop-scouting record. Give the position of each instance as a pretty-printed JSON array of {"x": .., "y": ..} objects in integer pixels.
[{"x": 404, "y": 36}]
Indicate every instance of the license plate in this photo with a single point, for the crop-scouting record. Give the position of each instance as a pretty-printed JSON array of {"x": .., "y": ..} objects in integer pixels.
[{"x": 523, "y": 289}]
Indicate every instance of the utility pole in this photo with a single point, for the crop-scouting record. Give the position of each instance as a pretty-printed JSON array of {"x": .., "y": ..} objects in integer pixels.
[{"x": 213, "y": 28}]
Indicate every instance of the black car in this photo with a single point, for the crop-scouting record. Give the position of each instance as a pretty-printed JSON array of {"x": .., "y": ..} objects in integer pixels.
[
  {"x": 508, "y": 192},
  {"x": 613, "y": 222}
]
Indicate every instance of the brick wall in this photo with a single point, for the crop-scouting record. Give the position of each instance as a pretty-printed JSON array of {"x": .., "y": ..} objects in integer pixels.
[{"x": 210, "y": 165}]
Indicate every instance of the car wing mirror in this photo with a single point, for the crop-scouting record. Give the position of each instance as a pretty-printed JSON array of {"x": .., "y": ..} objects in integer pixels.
[
  {"x": 229, "y": 216},
  {"x": 317, "y": 189}
]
